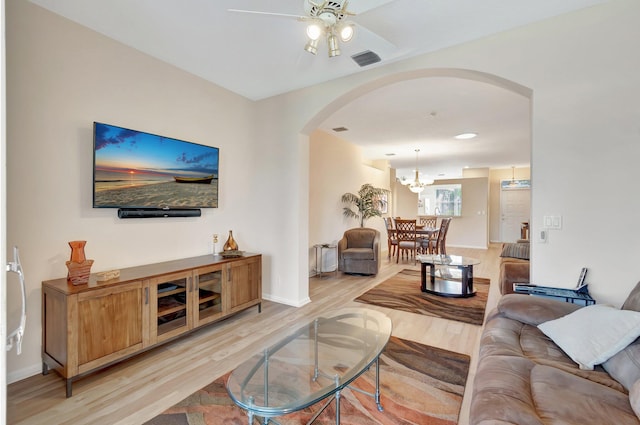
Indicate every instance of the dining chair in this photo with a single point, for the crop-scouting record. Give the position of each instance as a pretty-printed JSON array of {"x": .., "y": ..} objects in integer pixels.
[
  {"x": 406, "y": 236},
  {"x": 392, "y": 241},
  {"x": 426, "y": 221},
  {"x": 438, "y": 244}
]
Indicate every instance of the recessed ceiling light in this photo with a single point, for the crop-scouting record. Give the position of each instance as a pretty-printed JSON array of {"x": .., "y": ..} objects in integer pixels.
[{"x": 465, "y": 136}]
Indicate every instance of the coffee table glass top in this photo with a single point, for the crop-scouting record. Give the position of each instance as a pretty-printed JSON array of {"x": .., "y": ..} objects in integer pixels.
[
  {"x": 447, "y": 260},
  {"x": 311, "y": 363}
]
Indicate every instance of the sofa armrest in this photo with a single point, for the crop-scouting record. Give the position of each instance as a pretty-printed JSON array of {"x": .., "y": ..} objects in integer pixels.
[
  {"x": 513, "y": 270},
  {"x": 342, "y": 245},
  {"x": 533, "y": 310}
]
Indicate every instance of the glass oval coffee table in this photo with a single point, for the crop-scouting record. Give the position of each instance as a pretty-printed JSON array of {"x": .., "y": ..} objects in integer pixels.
[
  {"x": 447, "y": 285},
  {"x": 313, "y": 363}
]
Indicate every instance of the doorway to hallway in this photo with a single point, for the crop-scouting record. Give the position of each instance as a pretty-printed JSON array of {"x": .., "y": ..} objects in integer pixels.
[{"x": 515, "y": 209}]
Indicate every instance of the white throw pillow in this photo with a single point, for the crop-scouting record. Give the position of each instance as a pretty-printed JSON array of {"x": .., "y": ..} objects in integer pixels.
[{"x": 593, "y": 334}]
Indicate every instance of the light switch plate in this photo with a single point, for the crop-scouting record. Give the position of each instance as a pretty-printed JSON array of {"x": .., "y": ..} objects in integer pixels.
[
  {"x": 553, "y": 222},
  {"x": 542, "y": 235}
]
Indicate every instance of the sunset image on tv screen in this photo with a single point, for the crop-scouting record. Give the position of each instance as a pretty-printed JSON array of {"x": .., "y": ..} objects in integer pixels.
[{"x": 134, "y": 169}]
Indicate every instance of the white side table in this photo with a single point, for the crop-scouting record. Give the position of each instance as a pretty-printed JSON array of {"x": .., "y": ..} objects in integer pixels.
[{"x": 319, "y": 251}]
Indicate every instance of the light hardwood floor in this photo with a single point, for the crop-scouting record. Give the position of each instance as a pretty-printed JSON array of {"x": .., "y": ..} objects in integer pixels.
[{"x": 138, "y": 389}]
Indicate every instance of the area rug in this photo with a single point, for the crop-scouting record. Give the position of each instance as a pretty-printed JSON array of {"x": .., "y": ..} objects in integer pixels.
[
  {"x": 402, "y": 292},
  {"x": 419, "y": 384}
]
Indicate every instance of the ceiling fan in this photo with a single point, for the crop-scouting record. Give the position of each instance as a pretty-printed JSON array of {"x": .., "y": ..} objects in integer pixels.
[{"x": 326, "y": 18}]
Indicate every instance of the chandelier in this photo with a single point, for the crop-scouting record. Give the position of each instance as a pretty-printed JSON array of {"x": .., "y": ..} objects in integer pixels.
[
  {"x": 416, "y": 186},
  {"x": 513, "y": 183}
]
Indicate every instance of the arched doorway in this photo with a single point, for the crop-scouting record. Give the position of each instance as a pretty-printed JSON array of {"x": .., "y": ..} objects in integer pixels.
[{"x": 327, "y": 224}]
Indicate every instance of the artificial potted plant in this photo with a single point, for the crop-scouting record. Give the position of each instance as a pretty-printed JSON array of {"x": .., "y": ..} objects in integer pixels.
[{"x": 368, "y": 203}]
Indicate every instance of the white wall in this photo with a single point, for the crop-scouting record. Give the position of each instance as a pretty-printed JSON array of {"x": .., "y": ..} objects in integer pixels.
[
  {"x": 469, "y": 230},
  {"x": 406, "y": 202},
  {"x": 3, "y": 227},
  {"x": 337, "y": 167}
]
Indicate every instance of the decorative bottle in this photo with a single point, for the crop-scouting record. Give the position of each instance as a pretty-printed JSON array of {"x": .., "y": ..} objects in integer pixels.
[{"x": 230, "y": 244}]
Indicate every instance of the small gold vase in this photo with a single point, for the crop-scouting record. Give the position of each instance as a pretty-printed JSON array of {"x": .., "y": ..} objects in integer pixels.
[{"x": 230, "y": 244}]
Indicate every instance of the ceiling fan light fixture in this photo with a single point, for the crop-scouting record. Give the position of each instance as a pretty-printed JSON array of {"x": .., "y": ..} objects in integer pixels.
[
  {"x": 346, "y": 32},
  {"x": 334, "y": 48},
  {"x": 312, "y": 46},
  {"x": 314, "y": 30}
]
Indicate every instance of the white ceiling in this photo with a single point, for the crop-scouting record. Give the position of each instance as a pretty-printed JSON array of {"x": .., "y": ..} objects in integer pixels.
[{"x": 259, "y": 56}]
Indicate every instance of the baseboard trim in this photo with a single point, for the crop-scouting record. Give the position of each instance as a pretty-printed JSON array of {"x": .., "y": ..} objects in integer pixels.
[
  {"x": 286, "y": 301},
  {"x": 468, "y": 246},
  {"x": 24, "y": 373}
]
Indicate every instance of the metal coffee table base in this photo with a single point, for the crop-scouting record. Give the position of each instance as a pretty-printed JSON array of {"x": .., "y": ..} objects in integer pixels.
[
  {"x": 447, "y": 288},
  {"x": 336, "y": 396},
  {"x": 331, "y": 352}
]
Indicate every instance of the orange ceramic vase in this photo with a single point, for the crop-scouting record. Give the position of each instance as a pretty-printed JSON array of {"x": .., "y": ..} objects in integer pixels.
[
  {"x": 79, "y": 268},
  {"x": 77, "y": 251}
]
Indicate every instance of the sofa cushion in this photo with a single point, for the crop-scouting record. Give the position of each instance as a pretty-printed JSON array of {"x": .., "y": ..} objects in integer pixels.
[
  {"x": 501, "y": 392},
  {"x": 633, "y": 300},
  {"x": 534, "y": 310},
  {"x": 360, "y": 238},
  {"x": 634, "y": 398},
  {"x": 515, "y": 250},
  {"x": 593, "y": 334},
  {"x": 624, "y": 367},
  {"x": 563, "y": 398},
  {"x": 358, "y": 254}
]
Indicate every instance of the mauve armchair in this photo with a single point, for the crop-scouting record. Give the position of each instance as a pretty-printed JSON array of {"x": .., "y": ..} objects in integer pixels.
[{"x": 359, "y": 251}]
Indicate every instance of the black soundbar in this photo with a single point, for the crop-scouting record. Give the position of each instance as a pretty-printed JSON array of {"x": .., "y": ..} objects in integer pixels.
[{"x": 157, "y": 212}]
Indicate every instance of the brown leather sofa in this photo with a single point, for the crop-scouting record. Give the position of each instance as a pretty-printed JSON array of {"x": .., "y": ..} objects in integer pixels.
[
  {"x": 514, "y": 266},
  {"x": 359, "y": 251},
  {"x": 524, "y": 378}
]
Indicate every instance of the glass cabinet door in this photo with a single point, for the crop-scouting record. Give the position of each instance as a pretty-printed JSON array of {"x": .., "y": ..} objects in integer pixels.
[
  {"x": 169, "y": 306},
  {"x": 208, "y": 295}
]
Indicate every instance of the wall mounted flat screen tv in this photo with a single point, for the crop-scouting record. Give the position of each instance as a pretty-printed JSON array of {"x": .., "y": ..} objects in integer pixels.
[{"x": 134, "y": 169}]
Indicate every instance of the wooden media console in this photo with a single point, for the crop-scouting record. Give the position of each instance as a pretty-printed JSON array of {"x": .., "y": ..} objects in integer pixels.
[{"x": 88, "y": 327}]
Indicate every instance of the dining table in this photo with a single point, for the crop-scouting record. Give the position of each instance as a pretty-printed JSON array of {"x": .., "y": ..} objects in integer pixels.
[{"x": 427, "y": 233}]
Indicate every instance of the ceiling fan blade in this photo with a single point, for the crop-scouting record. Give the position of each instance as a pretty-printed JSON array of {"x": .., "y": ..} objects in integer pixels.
[
  {"x": 284, "y": 15},
  {"x": 344, "y": 10}
]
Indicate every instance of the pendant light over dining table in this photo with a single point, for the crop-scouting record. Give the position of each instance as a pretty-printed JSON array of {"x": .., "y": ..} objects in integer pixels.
[{"x": 417, "y": 186}]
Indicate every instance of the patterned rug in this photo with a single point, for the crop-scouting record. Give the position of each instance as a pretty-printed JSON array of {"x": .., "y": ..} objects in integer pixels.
[
  {"x": 402, "y": 292},
  {"x": 418, "y": 384}
]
